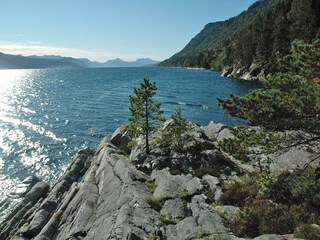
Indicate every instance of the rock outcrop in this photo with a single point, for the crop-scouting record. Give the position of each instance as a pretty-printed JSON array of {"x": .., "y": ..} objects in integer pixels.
[
  {"x": 254, "y": 73},
  {"x": 109, "y": 194}
]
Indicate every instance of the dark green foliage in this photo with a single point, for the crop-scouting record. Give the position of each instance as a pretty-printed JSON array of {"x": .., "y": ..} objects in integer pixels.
[
  {"x": 263, "y": 217},
  {"x": 290, "y": 99},
  {"x": 303, "y": 19},
  {"x": 256, "y": 35},
  {"x": 145, "y": 113},
  {"x": 274, "y": 204},
  {"x": 175, "y": 133}
]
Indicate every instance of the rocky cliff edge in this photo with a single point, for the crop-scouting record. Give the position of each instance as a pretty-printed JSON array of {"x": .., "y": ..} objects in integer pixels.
[{"x": 110, "y": 193}]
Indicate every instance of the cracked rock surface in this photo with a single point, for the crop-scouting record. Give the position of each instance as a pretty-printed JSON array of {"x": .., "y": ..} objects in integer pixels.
[{"x": 103, "y": 194}]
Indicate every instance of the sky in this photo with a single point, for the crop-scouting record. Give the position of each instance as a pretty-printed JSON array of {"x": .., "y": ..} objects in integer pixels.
[{"x": 101, "y": 30}]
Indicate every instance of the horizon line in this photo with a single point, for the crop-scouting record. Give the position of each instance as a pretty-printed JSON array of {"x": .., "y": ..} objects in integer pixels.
[{"x": 28, "y": 50}]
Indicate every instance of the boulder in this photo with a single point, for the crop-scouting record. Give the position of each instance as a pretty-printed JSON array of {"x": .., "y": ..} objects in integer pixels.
[
  {"x": 252, "y": 73},
  {"x": 24, "y": 187},
  {"x": 212, "y": 130},
  {"x": 39, "y": 190},
  {"x": 212, "y": 181},
  {"x": 137, "y": 156},
  {"x": 270, "y": 237},
  {"x": 187, "y": 229},
  {"x": 226, "y": 71},
  {"x": 175, "y": 209},
  {"x": 227, "y": 212},
  {"x": 294, "y": 158},
  {"x": 38, "y": 222},
  {"x": 211, "y": 222},
  {"x": 121, "y": 139},
  {"x": 175, "y": 186},
  {"x": 225, "y": 133}
]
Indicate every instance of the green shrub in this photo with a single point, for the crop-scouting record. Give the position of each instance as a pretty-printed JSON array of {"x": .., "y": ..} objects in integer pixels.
[
  {"x": 310, "y": 232},
  {"x": 273, "y": 204},
  {"x": 302, "y": 184},
  {"x": 300, "y": 214},
  {"x": 176, "y": 133},
  {"x": 244, "y": 225},
  {"x": 238, "y": 193},
  {"x": 297, "y": 188},
  {"x": 280, "y": 191},
  {"x": 153, "y": 237},
  {"x": 266, "y": 181},
  {"x": 132, "y": 144},
  {"x": 234, "y": 148},
  {"x": 151, "y": 185},
  {"x": 155, "y": 203},
  {"x": 263, "y": 217}
]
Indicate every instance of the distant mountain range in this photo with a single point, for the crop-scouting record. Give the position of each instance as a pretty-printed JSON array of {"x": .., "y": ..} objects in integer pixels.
[{"x": 8, "y": 61}]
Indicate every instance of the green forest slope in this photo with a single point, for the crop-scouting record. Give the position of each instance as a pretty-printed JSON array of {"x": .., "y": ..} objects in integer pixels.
[{"x": 253, "y": 38}]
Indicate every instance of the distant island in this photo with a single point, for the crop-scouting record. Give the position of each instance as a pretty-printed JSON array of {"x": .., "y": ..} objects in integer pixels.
[{"x": 8, "y": 61}]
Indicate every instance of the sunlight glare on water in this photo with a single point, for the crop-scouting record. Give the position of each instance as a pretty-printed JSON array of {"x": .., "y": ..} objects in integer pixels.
[
  {"x": 22, "y": 134},
  {"x": 9, "y": 79}
]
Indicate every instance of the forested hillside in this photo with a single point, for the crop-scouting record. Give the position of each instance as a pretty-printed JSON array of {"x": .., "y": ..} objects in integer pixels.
[{"x": 253, "y": 39}]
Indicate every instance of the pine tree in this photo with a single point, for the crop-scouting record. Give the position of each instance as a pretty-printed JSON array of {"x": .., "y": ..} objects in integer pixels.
[
  {"x": 290, "y": 99},
  {"x": 145, "y": 113}
]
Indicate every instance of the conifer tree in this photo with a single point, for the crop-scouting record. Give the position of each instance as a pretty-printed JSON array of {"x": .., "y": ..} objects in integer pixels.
[
  {"x": 290, "y": 99},
  {"x": 145, "y": 113}
]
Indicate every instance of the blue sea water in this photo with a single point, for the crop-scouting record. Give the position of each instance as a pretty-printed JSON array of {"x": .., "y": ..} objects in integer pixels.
[{"x": 46, "y": 116}]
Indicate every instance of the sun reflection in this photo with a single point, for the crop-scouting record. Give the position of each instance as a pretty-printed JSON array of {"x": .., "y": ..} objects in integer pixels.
[{"x": 8, "y": 78}]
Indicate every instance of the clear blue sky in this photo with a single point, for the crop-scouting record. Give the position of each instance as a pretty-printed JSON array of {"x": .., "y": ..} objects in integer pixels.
[{"x": 107, "y": 29}]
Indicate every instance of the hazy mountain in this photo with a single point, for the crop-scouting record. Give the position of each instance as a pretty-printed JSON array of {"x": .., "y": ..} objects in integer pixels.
[
  {"x": 138, "y": 63},
  {"x": 8, "y": 61}
]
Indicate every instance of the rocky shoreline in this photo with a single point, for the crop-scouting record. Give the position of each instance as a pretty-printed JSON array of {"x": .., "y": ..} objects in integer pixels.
[
  {"x": 114, "y": 193},
  {"x": 254, "y": 73}
]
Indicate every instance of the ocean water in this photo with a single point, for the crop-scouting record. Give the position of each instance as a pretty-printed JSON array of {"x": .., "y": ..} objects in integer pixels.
[{"x": 46, "y": 116}]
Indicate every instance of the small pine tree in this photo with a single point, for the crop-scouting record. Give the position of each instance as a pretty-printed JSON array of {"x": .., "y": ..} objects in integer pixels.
[
  {"x": 180, "y": 126},
  {"x": 145, "y": 113},
  {"x": 175, "y": 134}
]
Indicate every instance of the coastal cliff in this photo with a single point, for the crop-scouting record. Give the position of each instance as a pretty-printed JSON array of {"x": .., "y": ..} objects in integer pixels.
[{"x": 113, "y": 192}]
